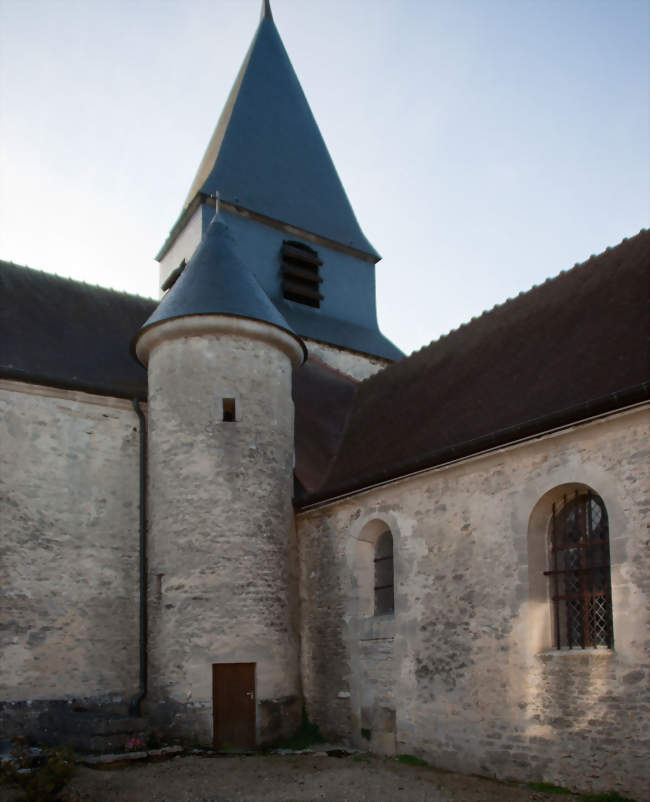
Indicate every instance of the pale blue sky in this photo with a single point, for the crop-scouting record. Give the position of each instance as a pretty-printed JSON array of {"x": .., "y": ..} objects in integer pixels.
[{"x": 484, "y": 144}]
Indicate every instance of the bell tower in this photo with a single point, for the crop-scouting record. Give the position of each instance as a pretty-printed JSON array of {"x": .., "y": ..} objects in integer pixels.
[
  {"x": 268, "y": 173},
  {"x": 266, "y": 263},
  {"x": 223, "y": 637}
]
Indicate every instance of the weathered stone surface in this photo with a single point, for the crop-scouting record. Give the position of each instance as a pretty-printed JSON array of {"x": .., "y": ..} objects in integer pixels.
[
  {"x": 278, "y": 717},
  {"x": 222, "y": 556},
  {"x": 69, "y": 562},
  {"x": 462, "y": 674},
  {"x": 359, "y": 366},
  {"x": 470, "y": 671}
]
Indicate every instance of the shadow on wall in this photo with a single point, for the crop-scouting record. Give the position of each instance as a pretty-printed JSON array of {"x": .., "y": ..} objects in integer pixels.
[
  {"x": 374, "y": 571},
  {"x": 570, "y": 677}
]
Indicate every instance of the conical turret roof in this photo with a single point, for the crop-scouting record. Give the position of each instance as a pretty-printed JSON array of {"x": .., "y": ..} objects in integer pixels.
[
  {"x": 216, "y": 282},
  {"x": 267, "y": 154}
]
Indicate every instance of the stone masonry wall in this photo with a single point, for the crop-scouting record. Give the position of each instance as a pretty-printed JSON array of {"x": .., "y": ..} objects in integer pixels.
[
  {"x": 477, "y": 684},
  {"x": 359, "y": 366},
  {"x": 69, "y": 548},
  {"x": 222, "y": 558}
]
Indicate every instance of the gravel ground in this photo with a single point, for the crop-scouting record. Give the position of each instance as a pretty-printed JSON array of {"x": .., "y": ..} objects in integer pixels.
[{"x": 284, "y": 778}]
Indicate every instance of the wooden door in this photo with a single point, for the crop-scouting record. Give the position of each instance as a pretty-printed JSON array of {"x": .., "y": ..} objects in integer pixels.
[{"x": 233, "y": 705}]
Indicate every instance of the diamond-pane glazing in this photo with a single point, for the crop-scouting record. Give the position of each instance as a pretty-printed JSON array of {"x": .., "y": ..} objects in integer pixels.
[{"x": 580, "y": 559}]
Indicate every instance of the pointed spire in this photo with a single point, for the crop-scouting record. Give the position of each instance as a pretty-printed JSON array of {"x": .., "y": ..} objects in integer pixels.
[{"x": 267, "y": 155}]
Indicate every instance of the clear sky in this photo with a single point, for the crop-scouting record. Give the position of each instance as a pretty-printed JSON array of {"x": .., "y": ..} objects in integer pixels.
[{"x": 485, "y": 145}]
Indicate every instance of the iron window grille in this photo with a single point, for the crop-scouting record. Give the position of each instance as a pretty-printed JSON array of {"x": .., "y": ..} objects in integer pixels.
[
  {"x": 300, "y": 276},
  {"x": 384, "y": 574},
  {"x": 580, "y": 574}
]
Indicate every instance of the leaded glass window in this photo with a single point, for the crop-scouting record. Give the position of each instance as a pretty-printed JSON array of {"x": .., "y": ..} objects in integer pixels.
[{"x": 580, "y": 573}]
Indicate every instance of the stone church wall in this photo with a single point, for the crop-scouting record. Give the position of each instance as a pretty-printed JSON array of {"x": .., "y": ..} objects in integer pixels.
[
  {"x": 359, "y": 366},
  {"x": 69, "y": 554},
  {"x": 475, "y": 681}
]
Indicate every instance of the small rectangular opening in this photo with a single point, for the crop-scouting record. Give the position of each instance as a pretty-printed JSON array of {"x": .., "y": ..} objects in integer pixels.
[{"x": 229, "y": 409}]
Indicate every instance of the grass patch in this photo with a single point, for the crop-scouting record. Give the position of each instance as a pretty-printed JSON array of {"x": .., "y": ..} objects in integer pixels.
[
  {"x": 549, "y": 788},
  {"x": 306, "y": 735},
  {"x": 410, "y": 760}
]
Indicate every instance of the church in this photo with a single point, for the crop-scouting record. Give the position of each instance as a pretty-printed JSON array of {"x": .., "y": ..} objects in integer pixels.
[{"x": 241, "y": 501}]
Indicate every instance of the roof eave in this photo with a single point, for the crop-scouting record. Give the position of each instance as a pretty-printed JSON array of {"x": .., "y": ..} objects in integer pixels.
[
  {"x": 93, "y": 388},
  {"x": 159, "y": 323},
  {"x": 559, "y": 419}
]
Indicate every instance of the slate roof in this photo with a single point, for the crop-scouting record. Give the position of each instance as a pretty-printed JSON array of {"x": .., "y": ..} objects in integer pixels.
[
  {"x": 65, "y": 333},
  {"x": 267, "y": 153},
  {"x": 323, "y": 398},
  {"x": 572, "y": 347},
  {"x": 216, "y": 282}
]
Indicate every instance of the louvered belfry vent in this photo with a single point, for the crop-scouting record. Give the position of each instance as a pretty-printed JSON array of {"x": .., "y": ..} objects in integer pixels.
[{"x": 300, "y": 277}]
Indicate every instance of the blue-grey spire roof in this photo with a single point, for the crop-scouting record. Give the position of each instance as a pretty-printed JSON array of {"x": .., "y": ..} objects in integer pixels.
[
  {"x": 267, "y": 153},
  {"x": 216, "y": 282}
]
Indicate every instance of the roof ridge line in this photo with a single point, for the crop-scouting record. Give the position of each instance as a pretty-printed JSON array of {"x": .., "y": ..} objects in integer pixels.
[
  {"x": 565, "y": 271},
  {"x": 501, "y": 305},
  {"x": 80, "y": 282}
]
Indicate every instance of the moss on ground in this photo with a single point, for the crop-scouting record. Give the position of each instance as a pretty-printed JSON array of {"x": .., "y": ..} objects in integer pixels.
[
  {"x": 411, "y": 760},
  {"x": 549, "y": 788}
]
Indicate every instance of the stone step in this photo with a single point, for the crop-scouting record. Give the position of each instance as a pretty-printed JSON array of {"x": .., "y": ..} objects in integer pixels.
[
  {"x": 94, "y": 724},
  {"x": 92, "y": 732}
]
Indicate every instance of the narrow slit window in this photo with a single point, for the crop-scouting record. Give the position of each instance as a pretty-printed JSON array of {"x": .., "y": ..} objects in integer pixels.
[
  {"x": 301, "y": 280},
  {"x": 229, "y": 411},
  {"x": 384, "y": 574}
]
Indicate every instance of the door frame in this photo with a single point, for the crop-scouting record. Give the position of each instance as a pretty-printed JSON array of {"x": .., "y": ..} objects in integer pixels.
[{"x": 252, "y": 720}]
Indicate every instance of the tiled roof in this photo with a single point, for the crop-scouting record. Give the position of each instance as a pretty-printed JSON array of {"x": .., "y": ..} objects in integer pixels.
[
  {"x": 323, "y": 398},
  {"x": 66, "y": 333},
  {"x": 572, "y": 347}
]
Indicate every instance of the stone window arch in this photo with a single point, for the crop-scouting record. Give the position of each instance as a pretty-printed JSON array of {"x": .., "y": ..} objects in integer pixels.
[
  {"x": 384, "y": 596},
  {"x": 579, "y": 572},
  {"x": 569, "y": 570},
  {"x": 375, "y": 569}
]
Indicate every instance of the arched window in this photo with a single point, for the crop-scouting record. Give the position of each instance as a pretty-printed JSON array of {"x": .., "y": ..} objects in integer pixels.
[
  {"x": 384, "y": 590},
  {"x": 580, "y": 573}
]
